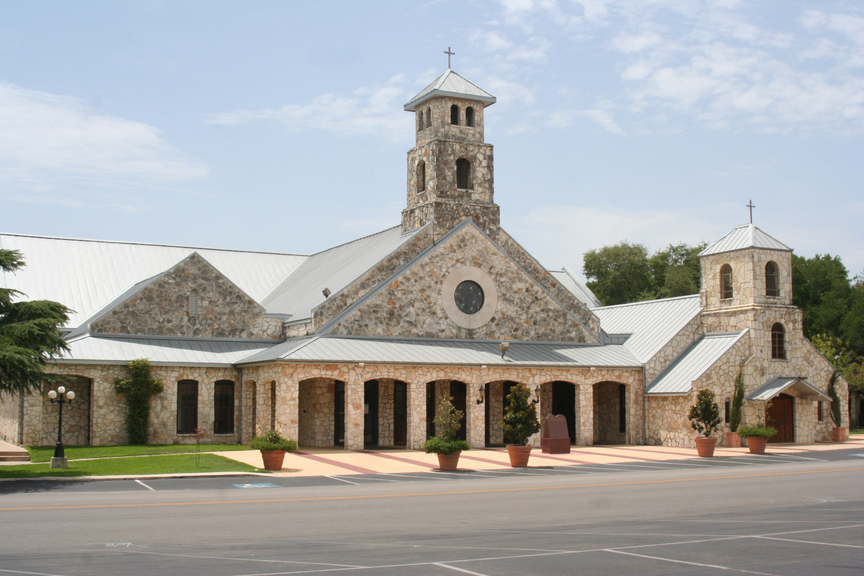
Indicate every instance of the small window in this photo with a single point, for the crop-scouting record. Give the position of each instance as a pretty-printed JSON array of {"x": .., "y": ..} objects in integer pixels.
[
  {"x": 428, "y": 117},
  {"x": 454, "y": 115},
  {"x": 187, "y": 406},
  {"x": 420, "y": 121},
  {"x": 778, "y": 342},
  {"x": 469, "y": 116},
  {"x": 223, "y": 407},
  {"x": 463, "y": 174},
  {"x": 819, "y": 415},
  {"x": 726, "y": 281},
  {"x": 421, "y": 176},
  {"x": 193, "y": 303},
  {"x": 772, "y": 279}
]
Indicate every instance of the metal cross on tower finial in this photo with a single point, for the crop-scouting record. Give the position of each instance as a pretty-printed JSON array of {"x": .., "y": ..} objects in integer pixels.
[
  {"x": 449, "y": 54},
  {"x": 751, "y": 206}
]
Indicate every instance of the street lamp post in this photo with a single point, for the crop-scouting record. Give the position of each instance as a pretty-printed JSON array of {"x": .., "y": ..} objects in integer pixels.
[{"x": 60, "y": 397}]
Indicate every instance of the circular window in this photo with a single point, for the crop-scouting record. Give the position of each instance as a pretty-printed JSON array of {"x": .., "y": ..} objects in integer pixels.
[{"x": 469, "y": 297}]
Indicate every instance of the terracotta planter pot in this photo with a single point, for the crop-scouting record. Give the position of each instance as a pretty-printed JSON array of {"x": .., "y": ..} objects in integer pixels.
[
  {"x": 757, "y": 444},
  {"x": 273, "y": 459},
  {"x": 839, "y": 434},
  {"x": 449, "y": 461},
  {"x": 518, "y": 455},
  {"x": 733, "y": 440},
  {"x": 705, "y": 446}
]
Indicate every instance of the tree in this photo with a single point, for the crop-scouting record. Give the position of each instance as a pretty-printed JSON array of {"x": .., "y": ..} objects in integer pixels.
[
  {"x": 520, "y": 418},
  {"x": 29, "y": 335},
  {"x": 821, "y": 289},
  {"x": 852, "y": 326},
  {"x": 676, "y": 271},
  {"x": 618, "y": 274},
  {"x": 139, "y": 387}
]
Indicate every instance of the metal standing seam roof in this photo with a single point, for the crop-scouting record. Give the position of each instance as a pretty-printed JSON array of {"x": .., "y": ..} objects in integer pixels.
[
  {"x": 782, "y": 383},
  {"x": 444, "y": 352},
  {"x": 452, "y": 85},
  {"x": 335, "y": 268},
  {"x": 744, "y": 236},
  {"x": 692, "y": 363},
  {"x": 87, "y": 275},
  {"x": 651, "y": 324},
  {"x": 165, "y": 351},
  {"x": 569, "y": 280}
]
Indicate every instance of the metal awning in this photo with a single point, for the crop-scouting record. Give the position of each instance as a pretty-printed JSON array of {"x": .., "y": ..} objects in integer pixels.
[{"x": 780, "y": 384}]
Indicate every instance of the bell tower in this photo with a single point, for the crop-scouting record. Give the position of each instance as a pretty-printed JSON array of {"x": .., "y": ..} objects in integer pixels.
[{"x": 450, "y": 175}]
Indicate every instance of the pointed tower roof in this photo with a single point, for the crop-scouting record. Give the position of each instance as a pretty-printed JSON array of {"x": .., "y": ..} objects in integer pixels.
[
  {"x": 452, "y": 85},
  {"x": 742, "y": 237}
]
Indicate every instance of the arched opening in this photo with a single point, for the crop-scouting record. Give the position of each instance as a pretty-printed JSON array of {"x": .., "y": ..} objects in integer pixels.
[
  {"x": 321, "y": 413},
  {"x": 726, "y": 281},
  {"x": 223, "y": 407},
  {"x": 76, "y": 416},
  {"x": 780, "y": 414},
  {"x": 564, "y": 403},
  {"x": 463, "y": 174},
  {"x": 187, "y": 406},
  {"x": 428, "y": 118},
  {"x": 610, "y": 413},
  {"x": 454, "y": 115},
  {"x": 435, "y": 391},
  {"x": 772, "y": 279},
  {"x": 421, "y": 176},
  {"x": 496, "y": 403},
  {"x": 420, "y": 124},
  {"x": 778, "y": 342},
  {"x": 469, "y": 116}
]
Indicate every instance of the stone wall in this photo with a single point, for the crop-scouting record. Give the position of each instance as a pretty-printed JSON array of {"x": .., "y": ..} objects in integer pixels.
[
  {"x": 10, "y": 417},
  {"x": 76, "y": 416},
  {"x": 748, "y": 278},
  {"x": 163, "y": 307},
  {"x": 317, "y": 412}
]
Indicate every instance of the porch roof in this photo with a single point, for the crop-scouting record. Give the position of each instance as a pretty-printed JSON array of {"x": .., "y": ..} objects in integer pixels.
[
  {"x": 430, "y": 351},
  {"x": 780, "y": 384}
]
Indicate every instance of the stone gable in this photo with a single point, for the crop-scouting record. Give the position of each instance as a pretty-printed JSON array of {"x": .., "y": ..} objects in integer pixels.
[
  {"x": 417, "y": 303},
  {"x": 163, "y": 307}
]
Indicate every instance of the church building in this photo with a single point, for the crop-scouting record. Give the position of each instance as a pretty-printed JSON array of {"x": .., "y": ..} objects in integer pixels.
[{"x": 354, "y": 346}]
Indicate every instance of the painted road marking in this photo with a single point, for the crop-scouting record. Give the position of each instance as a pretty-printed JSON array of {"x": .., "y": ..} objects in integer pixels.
[{"x": 259, "y": 485}]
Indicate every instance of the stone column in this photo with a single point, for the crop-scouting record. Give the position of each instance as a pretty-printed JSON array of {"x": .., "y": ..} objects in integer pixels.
[
  {"x": 416, "y": 415},
  {"x": 476, "y": 417},
  {"x": 354, "y": 413},
  {"x": 287, "y": 408},
  {"x": 585, "y": 415}
]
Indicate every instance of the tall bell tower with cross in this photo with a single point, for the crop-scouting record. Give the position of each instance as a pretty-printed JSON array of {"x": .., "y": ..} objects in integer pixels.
[{"x": 450, "y": 172}]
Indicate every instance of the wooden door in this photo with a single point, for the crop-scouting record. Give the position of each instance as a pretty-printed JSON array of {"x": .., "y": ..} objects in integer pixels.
[{"x": 780, "y": 415}]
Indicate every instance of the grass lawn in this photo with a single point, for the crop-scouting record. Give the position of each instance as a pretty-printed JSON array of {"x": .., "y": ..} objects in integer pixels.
[{"x": 128, "y": 460}]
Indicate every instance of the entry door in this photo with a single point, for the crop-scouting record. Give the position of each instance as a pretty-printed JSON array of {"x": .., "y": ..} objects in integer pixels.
[
  {"x": 400, "y": 413},
  {"x": 564, "y": 403},
  {"x": 370, "y": 418},
  {"x": 780, "y": 415}
]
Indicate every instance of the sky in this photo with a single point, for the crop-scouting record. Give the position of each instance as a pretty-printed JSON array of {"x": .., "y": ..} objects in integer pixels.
[{"x": 279, "y": 127}]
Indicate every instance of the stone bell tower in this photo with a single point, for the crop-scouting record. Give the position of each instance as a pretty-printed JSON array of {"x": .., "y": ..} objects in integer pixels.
[{"x": 450, "y": 174}]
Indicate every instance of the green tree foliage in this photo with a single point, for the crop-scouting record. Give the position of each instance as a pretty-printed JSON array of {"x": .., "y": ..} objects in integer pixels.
[
  {"x": 449, "y": 421},
  {"x": 849, "y": 364},
  {"x": 821, "y": 289},
  {"x": 737, "y": 403},
  {"x": 625, "y": 272},
  {"x": 705, "y": 413},
  {"x": 29, "y": 335},
  {"x": 852, "y": 326},
  {"x": 139, "y": 387},
  {"x": 520, "y": 418}
]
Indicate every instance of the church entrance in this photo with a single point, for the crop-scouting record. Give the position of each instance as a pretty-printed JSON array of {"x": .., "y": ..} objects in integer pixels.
[
  {"x": 780, "y": 414},
  {"x": 610, "y": 413},
  {"x": 564, "y": 403}
]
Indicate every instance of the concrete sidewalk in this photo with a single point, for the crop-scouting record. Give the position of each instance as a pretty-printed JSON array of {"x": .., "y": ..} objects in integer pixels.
[{"x": 339, "y": 462}]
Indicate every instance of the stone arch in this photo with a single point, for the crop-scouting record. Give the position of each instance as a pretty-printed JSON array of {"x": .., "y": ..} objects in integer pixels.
[
  {"x": 469, "y": 116},
  {"x": 428, "y": 123},
  {"x": 611, "y": 403},
  {"x": 778, "y": 342},
  {"x": 561, "y": 397},
  {"x": 726, "y": 282},
  {"x": 496, "y": 401},
  {"x": 387, "y": 412},
  {"x": 77, "y": 425},
  {"x": 435, "y": 391},
  {"x": 772, "y": 279},
  {"x": 463, "y": 174},
  {"x": 321, "y": 412},
  {"x": 454, "y": 115}
]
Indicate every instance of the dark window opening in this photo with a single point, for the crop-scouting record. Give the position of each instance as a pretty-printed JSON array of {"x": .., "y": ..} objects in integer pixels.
[
  {"x": 187, "y": 406},
  {"x": 463, "y": 174},
  {"x": 728, "y": 408},
  {"x": 428, "y": 117},
  {"x": 421, "y": 176},
  {"x": 819, "y": 416},
  {"x": 223, "y": 407},
  {"x": 622, "y": 408},
  {"x": 772, "y": 279},
  {"x": 454, "y": 115},
  {"x": 469, "y": 116},
  {"x": 778, "y": 342},
  {"x": 726, "y": 281}
]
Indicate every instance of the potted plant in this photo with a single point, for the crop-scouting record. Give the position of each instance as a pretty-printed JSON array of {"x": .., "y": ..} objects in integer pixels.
[
  {"x": 446, "y": 443},
  {"x": 733, "y": 440},
  {"x": 273, "y": 448},
  {"x": 520, "y": 422},
  {"x": 704, "y": 418},
  {"x": 757, "y": 436},
  {"x": 838, "y": 432}
]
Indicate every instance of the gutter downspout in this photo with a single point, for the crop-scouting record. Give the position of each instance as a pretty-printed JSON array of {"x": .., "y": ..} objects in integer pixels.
[{"x": 644, "y": 410}]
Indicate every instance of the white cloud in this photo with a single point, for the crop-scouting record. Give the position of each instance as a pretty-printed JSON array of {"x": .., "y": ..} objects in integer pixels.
[
  {"x": 375, "y": 112},
  {"x": 53, "y": 149}
]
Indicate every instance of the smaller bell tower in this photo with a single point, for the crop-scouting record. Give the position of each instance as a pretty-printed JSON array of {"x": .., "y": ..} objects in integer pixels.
[{"x": 450, "y": 172}]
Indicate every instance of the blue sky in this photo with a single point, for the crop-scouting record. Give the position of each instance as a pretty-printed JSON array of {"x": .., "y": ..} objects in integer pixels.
[{"x": 278, "y": 126}]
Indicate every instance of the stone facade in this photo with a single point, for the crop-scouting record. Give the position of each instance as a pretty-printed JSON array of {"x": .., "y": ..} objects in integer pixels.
[
  {"x": 163, "y": 307},
  {"x": 10, "y": 418}
]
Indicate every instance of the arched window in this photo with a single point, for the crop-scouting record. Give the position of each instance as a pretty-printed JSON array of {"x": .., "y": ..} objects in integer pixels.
[
  {"x": 454, "y": 115},
  {"x": 420, "y": 121},
  {"x": 469, "y": 116},
  {"x": 463, "y": 174},
  {"x": 187, "y": 406},
  {"x": 726, "y": 281},
  {"x": 428, "y": 117},
  {"x": 772, "y": 279},
  {"x": 778, "y": 342},
  {"x": 223, "y": 407},
  {"x": 421, "y": 176}
]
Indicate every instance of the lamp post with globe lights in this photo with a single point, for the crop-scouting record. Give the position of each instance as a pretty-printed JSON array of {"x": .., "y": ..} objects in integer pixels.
[{"x": 60, "y": 397}]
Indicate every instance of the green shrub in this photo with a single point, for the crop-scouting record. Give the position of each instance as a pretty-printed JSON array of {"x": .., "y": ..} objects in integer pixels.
[
  {"x": 520, "y": 419},
  {"x": 448, "y": 421},
  {"x": 758, "y": 431},
  {"x": 705, "y": 414},
  {"x": 436, "y": 445},
  {"x": 835, "y": 399},
  {"x": 737, "y": 403},
  {"x": 138, "y": 388},
  {"x": 272, "y": 440}
]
